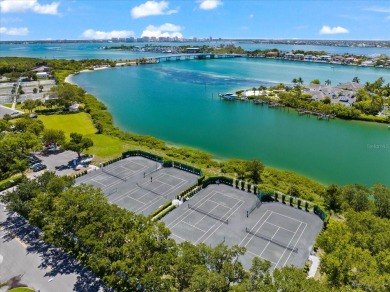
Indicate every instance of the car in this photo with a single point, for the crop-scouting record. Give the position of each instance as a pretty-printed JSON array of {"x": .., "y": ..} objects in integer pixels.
[{"x": 38, "y": 167}]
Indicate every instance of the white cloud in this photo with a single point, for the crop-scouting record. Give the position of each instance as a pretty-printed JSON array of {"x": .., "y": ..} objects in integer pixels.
[
  {"x": 378, "y": 9},
  {"x": 152, "y": 8},
  {"x": 7, "y": 6},
  {"x": 165, "y": 30},
  {"x": 98, "y": 35},
  {"x": 333, "y": 30},
  {"x": 251, "y": 16},
  {"x": 20, "y": 31},
  {"x": 209, "y": 4}
]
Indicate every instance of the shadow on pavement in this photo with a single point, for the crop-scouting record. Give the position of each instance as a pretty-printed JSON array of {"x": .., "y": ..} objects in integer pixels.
[{"x": 54, "y": 259}]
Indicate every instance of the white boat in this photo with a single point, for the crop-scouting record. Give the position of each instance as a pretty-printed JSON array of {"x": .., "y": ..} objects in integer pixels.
[{"x": 228, "y": 96}]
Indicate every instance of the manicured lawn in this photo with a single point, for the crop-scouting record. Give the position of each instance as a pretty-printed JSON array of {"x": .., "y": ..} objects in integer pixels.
[
  {"x": 105, "y": 147},
  {"x": 8, "y": 105},
  {"x": 21, "y": 289},
  {"x": 79, "y": 123}
]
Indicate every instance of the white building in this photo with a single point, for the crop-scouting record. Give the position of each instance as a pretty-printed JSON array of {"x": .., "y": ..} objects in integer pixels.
[{"x": 42, "y": 75}]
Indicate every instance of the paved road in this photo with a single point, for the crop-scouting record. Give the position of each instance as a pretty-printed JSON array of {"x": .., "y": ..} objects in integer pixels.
[
  {"x": 25, "y": 259},
  {"x": 6, "y": 110}
]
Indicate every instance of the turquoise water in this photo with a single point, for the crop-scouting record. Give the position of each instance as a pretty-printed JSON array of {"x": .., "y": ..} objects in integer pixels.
[
  {"x": 79, "y": 51},
  {"x": 177, "y": 102}
]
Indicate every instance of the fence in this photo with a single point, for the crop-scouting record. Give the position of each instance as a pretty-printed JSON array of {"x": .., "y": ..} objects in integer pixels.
[
  {"x": 143, "y": 154},
  {"x": 218, "y": 180}
]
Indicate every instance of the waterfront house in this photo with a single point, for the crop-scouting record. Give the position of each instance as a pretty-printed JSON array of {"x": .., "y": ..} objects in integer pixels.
[
  {"x": 310, "y": 58},
  {"x": 289, "y": 56},
  {"x": 324, "y": 58},
  {"x": 41, "y": 69},
  {"x": 42, "y": 75},
  {"x": 299, "y": 57},
  {"x": 271, "y": 54}
]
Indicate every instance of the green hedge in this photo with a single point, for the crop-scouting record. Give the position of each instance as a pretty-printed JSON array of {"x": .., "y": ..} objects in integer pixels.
[
  {"x": 111, "y": 161},
  {"x": 84, "y": 172},
  {"x": 10, "y": 182},
  {"x": 163, "y": 213},
  {"x": 200, "y": 180},
  {"x": 187, "y": 167},
  {"x": 189, "y": 192},
  {"x": 317, "y": 210},
  {"x": 155, "y": 212}
]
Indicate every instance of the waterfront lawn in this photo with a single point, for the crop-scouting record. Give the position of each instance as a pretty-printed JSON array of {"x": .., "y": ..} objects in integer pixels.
[
  {"x": 105, "y": 147},
  {"x": 79, "y": 123}
]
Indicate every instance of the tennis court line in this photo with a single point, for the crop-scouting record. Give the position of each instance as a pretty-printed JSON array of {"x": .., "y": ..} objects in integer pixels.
[
  {"x": 221, "y": 223},
  {"x": 269, "y": 241},
  {"x": 204, "y": 231},
  {"x": 173, "y": 234},
  {"x": 254, "y": 226},
  {"x": 299, "y": 238},
  {"x": 257, "y": 230},
  {"x": 289, "y": 244},
  {"x": 209, "y": 212},
  {"x": 288, "y": 217},
  {"x": 281, "y": 227}
]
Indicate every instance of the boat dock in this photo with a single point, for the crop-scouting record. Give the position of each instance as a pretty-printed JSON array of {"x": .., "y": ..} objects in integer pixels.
[{"x": 319, "y": 115}]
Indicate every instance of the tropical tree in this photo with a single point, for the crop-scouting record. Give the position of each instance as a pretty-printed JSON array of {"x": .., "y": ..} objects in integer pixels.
[
  {"x": 328, "y": 82},
  {"x": 315, "y": 81},
  {"x": 52, "y": 136},
  {"x": 78, "y": 143},
  {"x": 356, "y": 79},
  {"x": 255, "y": 169},
  {"x": 300, "y": 81}
]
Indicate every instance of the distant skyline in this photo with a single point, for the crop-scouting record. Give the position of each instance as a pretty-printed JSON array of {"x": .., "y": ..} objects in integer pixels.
[{"x": 103, "y": 19}]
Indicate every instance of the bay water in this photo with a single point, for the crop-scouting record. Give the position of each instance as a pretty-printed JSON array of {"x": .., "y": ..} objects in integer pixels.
[{"x": 178, "y": 102}]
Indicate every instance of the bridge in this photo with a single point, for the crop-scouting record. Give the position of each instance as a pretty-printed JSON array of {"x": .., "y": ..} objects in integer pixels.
[{"x": 195, "y": 56}]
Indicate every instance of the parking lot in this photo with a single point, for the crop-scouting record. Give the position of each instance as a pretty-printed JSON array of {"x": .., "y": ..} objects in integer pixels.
[
  {"x": 278, "y": 233},
  {"x": 28, "y": 261},
  {"x": 139, "y": 184},
  {"x": 61, "y": 162}
]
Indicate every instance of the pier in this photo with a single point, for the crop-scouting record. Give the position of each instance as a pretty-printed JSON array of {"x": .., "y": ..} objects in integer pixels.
[{"x": 319, "y": 115}]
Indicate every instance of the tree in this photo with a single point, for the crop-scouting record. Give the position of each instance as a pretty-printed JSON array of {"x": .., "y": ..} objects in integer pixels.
[
  {"x": 40, "y": 88},
  {"x": 382, "y": 200},
  {"x": 333, "y": 199},
  {"x": 255, "y": 169},
  {"x": 300, "y": 80},
  {"x": 38, "y": 103},
  {"x": 328, "y": 82},
  {"x": 78, "y": 143},
  {"x": 315, "y": 81},
  {"x": 99, "y": 128},
  {"x": 52, "y": 136},
  {"x": 29, "y": 105},
  {"x": 294, "y": 81},
  {"x": 356, "y": 80},
  {"x": 35, "y": 90}
]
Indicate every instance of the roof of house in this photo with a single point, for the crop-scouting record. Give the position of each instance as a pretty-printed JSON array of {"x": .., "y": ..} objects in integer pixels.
[
  {"x": 40, "y": 69},
  {"x": 354, "y": 86}
]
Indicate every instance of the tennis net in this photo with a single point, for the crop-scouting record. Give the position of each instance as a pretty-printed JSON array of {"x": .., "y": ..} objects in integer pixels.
[
  {"x": 256, "y": 205},
  {"x": 113, "y": 174},
  {"x": 219, "y": 218},
  {"x": 154, "y": 169},
  {"x": 277, "y": 242},
  {"x": 152, "y": 191}
]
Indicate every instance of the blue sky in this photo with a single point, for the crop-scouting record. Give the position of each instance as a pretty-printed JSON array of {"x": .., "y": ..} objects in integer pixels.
[{"x": 103, "y": 19}]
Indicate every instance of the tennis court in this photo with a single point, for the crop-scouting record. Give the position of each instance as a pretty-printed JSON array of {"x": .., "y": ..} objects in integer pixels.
[
  {"x": 139, "y": 184},
  {"x": 281, "y": 234}
]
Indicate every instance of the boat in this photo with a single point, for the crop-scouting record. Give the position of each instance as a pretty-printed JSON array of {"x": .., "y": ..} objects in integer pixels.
[{"x": 228, "y": 96}]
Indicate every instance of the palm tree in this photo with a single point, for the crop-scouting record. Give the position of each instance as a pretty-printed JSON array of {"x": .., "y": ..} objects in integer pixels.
[
  {"x": 356, "y": 80},
  {"x": 328, "y": 82},
  {"x": 294, "y": 81},
  {"x": 300, "y": 81}
]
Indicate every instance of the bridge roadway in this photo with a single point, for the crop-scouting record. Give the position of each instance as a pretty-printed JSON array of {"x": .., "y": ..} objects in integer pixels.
[{"x": 194, "y": 56}]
